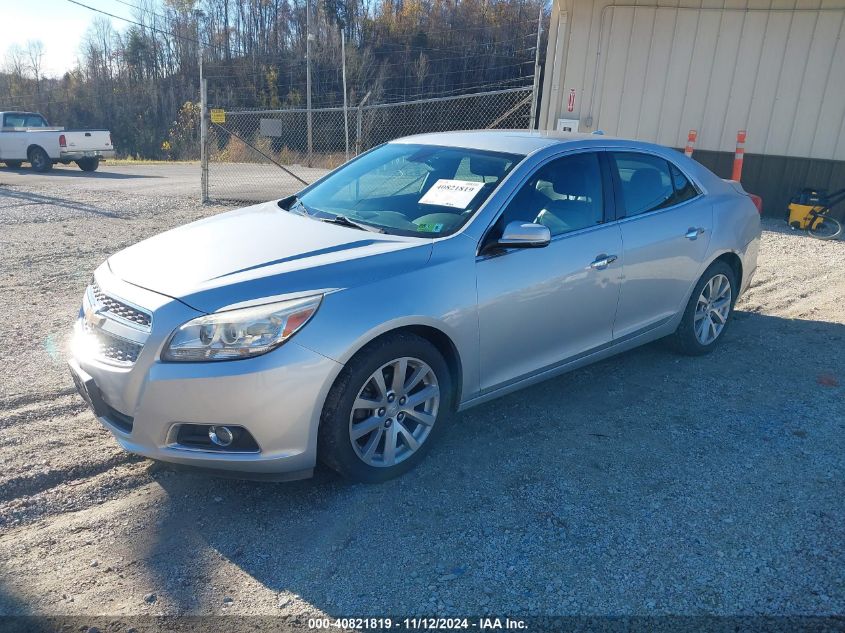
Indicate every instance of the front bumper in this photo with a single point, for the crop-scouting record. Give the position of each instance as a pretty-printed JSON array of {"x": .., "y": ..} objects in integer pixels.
[{"x": 277, "y": 397}]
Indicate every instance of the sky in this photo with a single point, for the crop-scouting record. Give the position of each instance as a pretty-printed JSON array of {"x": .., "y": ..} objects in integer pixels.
[{"x": 59, "y": 25}]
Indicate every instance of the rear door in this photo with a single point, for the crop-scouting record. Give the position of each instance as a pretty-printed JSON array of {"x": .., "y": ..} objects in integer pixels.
[{"x": 666, "y": 224}]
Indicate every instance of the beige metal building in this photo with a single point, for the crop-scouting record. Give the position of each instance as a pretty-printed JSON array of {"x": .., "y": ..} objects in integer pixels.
[{"x": 655, "y": 70}]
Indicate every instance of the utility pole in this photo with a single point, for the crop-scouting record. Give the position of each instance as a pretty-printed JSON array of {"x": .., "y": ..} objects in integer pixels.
[
  {"x": 308, "y": 37},
  {"x": 536, "y": 87},
  {"x": 345, "y": 113}
]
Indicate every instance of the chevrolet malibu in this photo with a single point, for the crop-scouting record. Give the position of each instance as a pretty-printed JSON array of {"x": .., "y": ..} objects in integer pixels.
[{"x": 426, "y": 276}]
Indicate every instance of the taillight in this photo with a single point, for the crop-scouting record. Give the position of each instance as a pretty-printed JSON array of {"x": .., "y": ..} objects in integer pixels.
[
  {"x": 62, "y": 140},
  {"x": 109, "y": 138},
  {"x": 758, "y": 202}
]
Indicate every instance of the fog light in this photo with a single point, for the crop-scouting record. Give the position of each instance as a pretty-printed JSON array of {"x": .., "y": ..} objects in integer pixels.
[{"x": 220, "y": 435}]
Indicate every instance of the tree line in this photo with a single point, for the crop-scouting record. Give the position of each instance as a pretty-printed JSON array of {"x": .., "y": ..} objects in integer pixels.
[{"x": 142, "y": 80}]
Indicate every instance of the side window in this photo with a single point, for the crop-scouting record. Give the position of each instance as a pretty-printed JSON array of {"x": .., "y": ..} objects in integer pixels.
[
  {"x": 650, "y": 183},
  {"x": 14, "y": 120},
  {"x": 35, "y": 120},
  {"x": 645, "y": 180},
  {"x": 564, "y": 195},
  {"x": 684, "y": 189}
]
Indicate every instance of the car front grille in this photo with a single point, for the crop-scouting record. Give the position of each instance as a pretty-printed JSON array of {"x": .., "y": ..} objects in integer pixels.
[
  {"x": 120, "y": 309},
  {"x": 112, "y": 348},
  {"x": 114, "y": 330}
]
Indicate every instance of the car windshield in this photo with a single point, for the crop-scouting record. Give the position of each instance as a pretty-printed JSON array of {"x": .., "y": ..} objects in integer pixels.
[{"x": 404, "y": 189}]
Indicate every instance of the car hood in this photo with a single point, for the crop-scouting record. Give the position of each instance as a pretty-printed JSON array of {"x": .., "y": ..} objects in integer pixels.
[{"x": 261, "y": 252}]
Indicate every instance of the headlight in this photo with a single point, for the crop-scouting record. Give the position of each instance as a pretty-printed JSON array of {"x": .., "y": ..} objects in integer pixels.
[{"x": 239, "y": 333}]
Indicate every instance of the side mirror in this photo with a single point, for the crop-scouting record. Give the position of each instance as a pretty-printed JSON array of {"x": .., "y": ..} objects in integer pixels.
[{"x": 524, "y": 235}]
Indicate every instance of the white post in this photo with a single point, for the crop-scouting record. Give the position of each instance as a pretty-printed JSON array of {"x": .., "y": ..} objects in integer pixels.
[
  {"x": 204, "y": 136},
  {"x": 536, "y": 87},
  {"x": 360, "y": 126},
  {"x": 308, "y": 78},
  {"x": 345, "y": 112},
  {"x": 203, "y": 123}
]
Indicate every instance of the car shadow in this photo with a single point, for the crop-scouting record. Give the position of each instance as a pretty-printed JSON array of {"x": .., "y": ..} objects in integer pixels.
[
  {"x": 25, "y": 198},
  {"x": 11, "y": 602},
  {"x": 72, "y": 172},
  {"x": 645, "y": 474}
]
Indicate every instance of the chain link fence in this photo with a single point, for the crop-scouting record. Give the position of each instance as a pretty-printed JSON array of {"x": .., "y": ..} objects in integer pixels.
[{"x": 258, "y": 155}]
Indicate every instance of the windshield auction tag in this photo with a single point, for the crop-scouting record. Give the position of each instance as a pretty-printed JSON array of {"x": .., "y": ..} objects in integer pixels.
[{"x": 452, "y": 193}]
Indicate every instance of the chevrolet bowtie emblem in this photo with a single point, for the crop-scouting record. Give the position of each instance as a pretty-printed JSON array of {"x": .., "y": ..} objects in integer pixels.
[{"x": 93, "y": 317}]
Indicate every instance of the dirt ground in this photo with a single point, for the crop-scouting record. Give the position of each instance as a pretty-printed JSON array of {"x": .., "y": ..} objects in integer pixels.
[{"x": 646, "y": 484}]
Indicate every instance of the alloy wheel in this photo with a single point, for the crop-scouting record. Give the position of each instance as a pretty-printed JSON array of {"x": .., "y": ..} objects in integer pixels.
[
  {"x": 394, "y": 412},
  {"x": 712, "y": 309}
]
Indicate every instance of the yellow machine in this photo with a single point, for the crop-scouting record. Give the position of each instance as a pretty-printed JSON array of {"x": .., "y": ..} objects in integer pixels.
[
  {"x": 809, "y": 210},
  {"x": 800, "y": 215}
]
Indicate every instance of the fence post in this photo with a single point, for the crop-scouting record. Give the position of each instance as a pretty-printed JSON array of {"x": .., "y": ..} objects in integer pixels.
[
  {"x": 691, "y": 137},
  {"x": 739, "y": 156},
  {"x": 536, "y": 85},
  {"x": 308, "y": 38},
  {"x": 359, "y": 127},
  {"x": 203, "y": 138},
  {"x": 345, "y": 110}
]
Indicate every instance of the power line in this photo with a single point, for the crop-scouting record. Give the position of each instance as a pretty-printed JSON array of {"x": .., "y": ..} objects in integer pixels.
[{"x": 143, "y": 26}]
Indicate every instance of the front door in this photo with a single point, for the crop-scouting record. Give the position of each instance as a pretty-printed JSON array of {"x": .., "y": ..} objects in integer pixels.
[{"x": 539, "y": 307}]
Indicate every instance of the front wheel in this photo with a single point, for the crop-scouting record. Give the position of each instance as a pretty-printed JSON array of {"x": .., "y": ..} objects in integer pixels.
[
  {"x": 88, "y": 164},
  {"x": 40, "y": 160},
  {"x": 825, "y": 227},
  {"x": 13, "y": 164},
  {"x": 708, "y": 311},
  {"x": 385, "y": 409}
]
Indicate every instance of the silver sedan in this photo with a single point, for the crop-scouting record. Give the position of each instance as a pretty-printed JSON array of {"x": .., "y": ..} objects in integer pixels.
[{"x": 426, "y": 276}]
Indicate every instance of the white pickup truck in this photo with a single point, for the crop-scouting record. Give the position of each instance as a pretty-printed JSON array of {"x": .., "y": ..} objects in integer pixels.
[{"x": 26, "y": 137}]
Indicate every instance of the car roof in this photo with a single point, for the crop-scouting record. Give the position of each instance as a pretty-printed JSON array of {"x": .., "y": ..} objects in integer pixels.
[{"x": 513, "y": 141}]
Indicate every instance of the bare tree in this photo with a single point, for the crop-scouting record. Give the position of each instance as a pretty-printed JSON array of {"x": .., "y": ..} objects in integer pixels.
[
  {"x": 35, "y": 61},
  {"x": 15, "y": 61}
]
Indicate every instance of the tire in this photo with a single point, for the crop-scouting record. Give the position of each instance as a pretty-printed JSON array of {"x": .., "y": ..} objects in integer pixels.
[
  {"x": 387, "y": 419},
  {"x": 88, "y": 164},
  {"x": 690, "y": 338},
  {"x": 825, "y": 228},
  {"x": 14, "y": 164},
  {"x": 40, "y": 160}
]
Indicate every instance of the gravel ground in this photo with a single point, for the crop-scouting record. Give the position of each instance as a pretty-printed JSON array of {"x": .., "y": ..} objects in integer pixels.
[{"x": 645, "y": 484}]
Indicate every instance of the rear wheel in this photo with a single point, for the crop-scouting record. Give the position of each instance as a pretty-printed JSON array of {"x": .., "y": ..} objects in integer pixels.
[
  {"x": 14, "y": 164},
  {"x": 40, "y": 160},
  {"x": 386, "y": 408},
  {"x": 708, "y": 311},
  {"x": 825, "y": 227},
  {"x": 88, "y": 164}
]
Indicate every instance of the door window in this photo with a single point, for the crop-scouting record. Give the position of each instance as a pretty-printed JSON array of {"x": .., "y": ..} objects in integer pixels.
[
  {"x": 684, "y": 189},
  {"x": 564, "y": 195},
  {"x": 23, "y": 119},
  {"x": 650, "y": 183}
]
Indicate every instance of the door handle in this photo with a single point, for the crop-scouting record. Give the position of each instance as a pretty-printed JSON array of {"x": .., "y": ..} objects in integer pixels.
[
  {"x": 603, "y": 261},
  {"x": 693, "y": 232}
]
